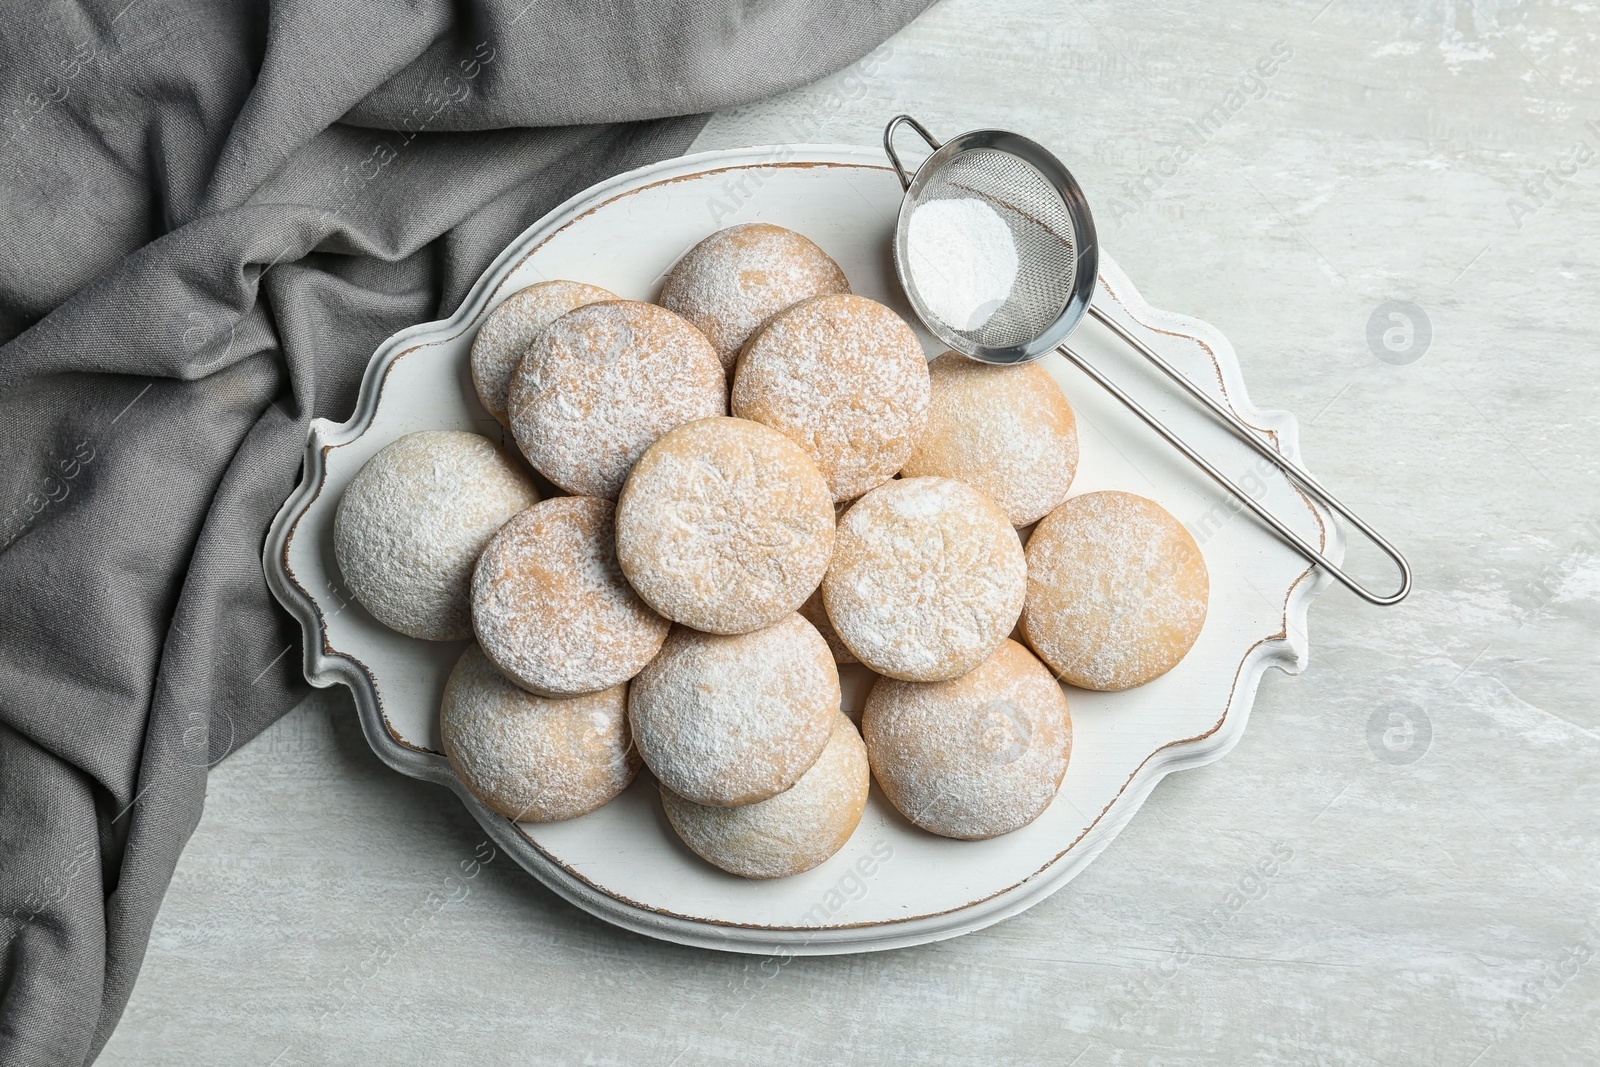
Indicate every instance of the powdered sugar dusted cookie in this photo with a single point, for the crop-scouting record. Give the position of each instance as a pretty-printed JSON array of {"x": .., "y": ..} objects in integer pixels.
[
  {"x": 1117, "y": 590},
  {"x": 791, "y": 832},
  {"x": 600, "y": 384},
  {"x": 845, "y": 377},
  {"x": 725, "y": 525},
  {"x": 412, "y": 522},
  {"x": 1006, "y": 431},
  {"x": 732, "y": 720},
  {"x": 975, "y": 756},
  {"x": 927, "y": 578},
  {"x": 511, "y": 327},
  {"x": 737, "y": 278},
  {"x": 533, "y": 758},
  {"x": 550, "y": 605}
]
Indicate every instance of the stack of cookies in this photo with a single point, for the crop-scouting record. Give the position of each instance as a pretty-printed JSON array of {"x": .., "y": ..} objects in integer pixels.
[{"x": 757, "y": 479}]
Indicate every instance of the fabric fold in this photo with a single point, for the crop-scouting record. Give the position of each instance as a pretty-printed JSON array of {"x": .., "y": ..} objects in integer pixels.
[{"x": 212, "y": 214}]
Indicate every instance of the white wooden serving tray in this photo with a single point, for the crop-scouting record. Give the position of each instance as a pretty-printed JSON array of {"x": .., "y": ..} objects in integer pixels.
[{"x": 892, "y": 885}]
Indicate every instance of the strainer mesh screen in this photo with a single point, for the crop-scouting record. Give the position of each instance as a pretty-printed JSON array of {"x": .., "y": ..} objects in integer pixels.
[{"x": 1040, "y": 227}]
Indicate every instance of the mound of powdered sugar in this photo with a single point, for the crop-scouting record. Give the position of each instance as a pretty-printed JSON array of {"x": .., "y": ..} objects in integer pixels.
[{"x": 962, "y": 258}]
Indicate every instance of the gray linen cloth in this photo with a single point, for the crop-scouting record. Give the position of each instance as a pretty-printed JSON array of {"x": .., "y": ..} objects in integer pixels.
[{"x": 210, "y": 214}]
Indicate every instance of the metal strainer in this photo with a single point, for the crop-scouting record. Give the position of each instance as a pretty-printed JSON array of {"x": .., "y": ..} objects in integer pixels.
[{"x": 1056, "y": 270}]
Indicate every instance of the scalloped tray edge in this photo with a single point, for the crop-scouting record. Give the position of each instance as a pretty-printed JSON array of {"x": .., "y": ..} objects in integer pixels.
[{"x": 323, "y": 667}]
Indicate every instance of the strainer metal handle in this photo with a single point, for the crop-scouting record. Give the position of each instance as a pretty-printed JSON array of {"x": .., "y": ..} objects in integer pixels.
[
  {"x": 1087, "y": 277},
  {"x": 1252, "y": 437},
  {"x": 888, "y": 144}
]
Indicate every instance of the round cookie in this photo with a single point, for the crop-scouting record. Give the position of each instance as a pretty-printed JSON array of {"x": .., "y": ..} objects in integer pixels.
[
  {"x": 791, "y": 832},
  {"x": 533, "y": 758},
  {"x": 928, "y": 577},
  {"x": 845, "y": 377},
  {"x": 975, "y": 756},
  {"x": 724, "y": 721},
  {"x": 1006, "y": 431},
  {"x": 725, "y": 525},
  {"x": 412, "y": 521},
  {"x": 737, "y": 278},
  {"x": 601, "y": 383},
  {"x": 1117, "y": 591},
  {"x": 511, "y": 327},
  {"x": 550, "y": 606}
]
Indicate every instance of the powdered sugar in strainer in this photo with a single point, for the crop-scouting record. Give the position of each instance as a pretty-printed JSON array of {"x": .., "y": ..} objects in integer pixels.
[{"x": 996, "y": 250}]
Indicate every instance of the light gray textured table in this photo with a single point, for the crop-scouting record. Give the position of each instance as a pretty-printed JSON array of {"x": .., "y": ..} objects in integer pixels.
[{"x": 1423, "y": 798}]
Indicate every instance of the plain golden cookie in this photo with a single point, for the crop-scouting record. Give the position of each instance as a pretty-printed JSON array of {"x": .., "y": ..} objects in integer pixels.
[
  {"x": 412, "y": 521},
  {"x": 732, "y": 720},
  {"x": 1117, "y": 591},
  {"x": 976, "y": 756},
  {"x": 791, "y": 832},
  {"x": 1006, "y": 431},
  {"x": 511, "y": 327},
  {"x": 725, "y": 525},
  {"x": 737, "y": 278},
  {"x": 600, "y": 384},
  {"x": 533, "y": 758},
  {"x": 550, "y": 606},
  {"x": 927, "y": 579},
  {"x": 845, "y": 377}
]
